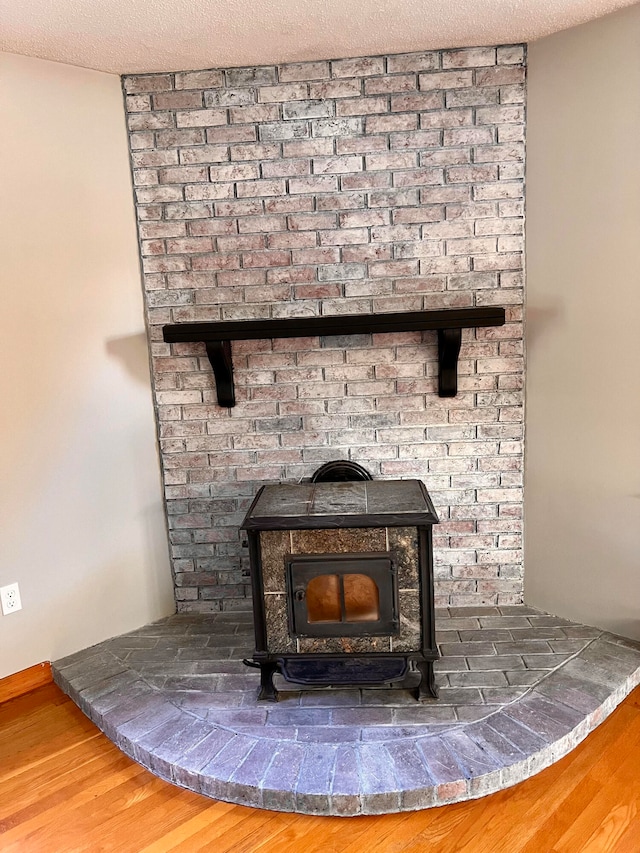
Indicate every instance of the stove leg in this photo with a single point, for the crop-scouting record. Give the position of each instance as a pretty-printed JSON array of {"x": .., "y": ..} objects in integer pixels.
[
  {"x": 268, "y": 691},
  {"x": 427, "y": 686}
]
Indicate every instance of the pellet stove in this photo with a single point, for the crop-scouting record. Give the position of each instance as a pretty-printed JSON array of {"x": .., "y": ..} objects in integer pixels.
[{"x": 342, "y": 581}]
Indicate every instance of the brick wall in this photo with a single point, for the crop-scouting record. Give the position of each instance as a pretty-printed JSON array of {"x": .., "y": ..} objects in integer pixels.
[{"x": 353, "y": 186}]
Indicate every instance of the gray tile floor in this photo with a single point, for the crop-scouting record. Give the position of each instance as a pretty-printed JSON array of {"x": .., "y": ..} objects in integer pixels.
[{"x": 518, "y": 689}]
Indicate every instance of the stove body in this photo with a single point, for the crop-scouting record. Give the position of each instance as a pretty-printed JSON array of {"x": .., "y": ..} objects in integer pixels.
[{"x": 342, "y": 582}]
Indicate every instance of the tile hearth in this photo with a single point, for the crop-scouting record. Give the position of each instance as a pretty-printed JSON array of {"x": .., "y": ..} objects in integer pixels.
[{"x": 518, "y": 690}]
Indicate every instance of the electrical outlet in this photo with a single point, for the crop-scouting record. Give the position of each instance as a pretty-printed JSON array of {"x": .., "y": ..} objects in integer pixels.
[{"x": 10, "y": 598}]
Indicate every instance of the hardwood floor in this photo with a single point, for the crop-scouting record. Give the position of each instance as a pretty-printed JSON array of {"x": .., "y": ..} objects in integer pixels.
[
  {"x": 64, "y": 788},
  {"x": 25, "y": 681}
]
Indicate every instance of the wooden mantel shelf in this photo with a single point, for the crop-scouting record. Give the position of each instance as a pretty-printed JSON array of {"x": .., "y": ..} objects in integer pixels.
[{"x": 447, "y": 322}]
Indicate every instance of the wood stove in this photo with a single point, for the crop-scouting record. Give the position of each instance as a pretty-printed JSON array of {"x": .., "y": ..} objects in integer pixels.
[{"x": 342, "y": 581}]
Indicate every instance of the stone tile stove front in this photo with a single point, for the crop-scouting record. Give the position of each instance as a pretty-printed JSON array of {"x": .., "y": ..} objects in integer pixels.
[{"x": 342, "y": 580}]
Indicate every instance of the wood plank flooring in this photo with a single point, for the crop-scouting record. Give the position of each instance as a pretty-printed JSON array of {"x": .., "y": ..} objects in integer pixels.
[
  {"x": 25, "y": 681},
  {"x": 64, "y": 788}
]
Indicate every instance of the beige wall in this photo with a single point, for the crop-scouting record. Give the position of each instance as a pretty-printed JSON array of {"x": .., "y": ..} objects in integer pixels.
[
  {"x": 582, "y": 487},
  {"x": 80, "y": 497}
]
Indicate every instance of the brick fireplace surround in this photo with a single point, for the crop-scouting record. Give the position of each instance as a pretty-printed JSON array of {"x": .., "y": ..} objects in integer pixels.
[
  {"x": 356, "y": 186},
  {"x": 377, "y": 184}
]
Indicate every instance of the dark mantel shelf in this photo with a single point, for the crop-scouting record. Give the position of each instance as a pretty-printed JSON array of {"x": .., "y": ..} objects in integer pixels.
[{"x": 447, "y": 322}]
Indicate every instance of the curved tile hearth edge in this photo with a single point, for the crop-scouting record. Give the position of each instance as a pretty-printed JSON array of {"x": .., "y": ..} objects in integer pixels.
[{"x": 397, "y": 769}]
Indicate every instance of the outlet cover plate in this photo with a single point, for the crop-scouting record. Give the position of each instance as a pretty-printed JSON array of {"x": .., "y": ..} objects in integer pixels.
[{"x": 10, "y": 598}]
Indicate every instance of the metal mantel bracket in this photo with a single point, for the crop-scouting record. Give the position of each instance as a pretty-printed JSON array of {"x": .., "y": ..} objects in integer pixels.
[
  {"x": 447, "y": 322},
  {"x": 219, "y": 353},
  {"x": 449, "y": 341}
]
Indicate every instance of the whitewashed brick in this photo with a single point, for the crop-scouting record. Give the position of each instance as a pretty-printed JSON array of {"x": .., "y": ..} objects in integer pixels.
[
  {"x": 447, "y": 118},
  {"x": 337, "y": 165},
  {"x": 428, "y": 213},
  {"x": 362, "y": 254},
  {"x": 341, "y": 272},
  {"x": 154, "y": 158},
  {"x": 387, "y": 123},
  {"x": 503, "y": 190},
  {"x": 297, "y": 71},
  {"x": 508, "y": 261},
  {"x": 416, "y": 139},
  {"x": 334, "y": 127},
  {"x": 511, "y": 54},
  {"x": 471, "y": 97},
  {"x": 368, "y": 181},
  {"x": 150, "y": 121},
  {"x": 419, "y": 177},
  {"x": 471, "y": 174},
  {"x": 512, "y": 94},
  {"x": 335, "y": 89},
  {"x": 147, "y": 83},
  {"x": 337, "y": 188},
  {"x": 444, "y": 157},
  {"x": 343, "y": 237},
  {"x": 201, "y": 118},
  {"x": 173, "y": 138},
  {"x": 446, "y": 80},
  {"x": 230, "y": 133},
  {"x": 397, "y": 160},
  {"x": 254, "y": 189},
  {"x": 200, "y": 192},
  {"x": 395, "y": 233},
  {"x": 257, "y": 76},
  {"x": 500, "y": 226},
  {"x": 511, "y": 171},
  {"x": 436, "y": 265},
  {"x": 255, "y": 152},
  {"x": 283, "y": 93},
  {"x": 145, "y": 177},
  {"x": 499, "y": 153},
  {"x": 390, "y": 83},
  {"x": 420, "y": 101},
  {"x": 307, "y": 109},
  {"x": 150, "y": 230},
  {"x": 141, "y": 140},
  {"x": 249, "y": 115},
  {"x": 283, "y": 131},
  {"x": 469, "y": 57},
  {"x": 361, "y": 106},
  {"x": 500, "y": 115},
  {"x": 137, "y": 103},
  {"x": 362, "y": 67},
  {"x": 320, "y": 183},
  {"x": 199, "y": 79},
  {"x": 320, "y": 255},
  {"x": 177, "y": 100},
  {"x": 229, "y": 97},
  {"x": 204, "y": 154},
  {"x": 448, "y": 228},
  {"x": 361, "y": 145},
  {"x": 358, "y": 218}
]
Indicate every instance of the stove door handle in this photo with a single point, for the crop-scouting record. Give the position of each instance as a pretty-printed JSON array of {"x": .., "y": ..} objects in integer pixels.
[{"x": 299, "y": 594}]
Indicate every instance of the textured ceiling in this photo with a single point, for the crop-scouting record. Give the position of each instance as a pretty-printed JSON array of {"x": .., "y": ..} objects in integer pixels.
[{"x": 127, "y": 36}]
